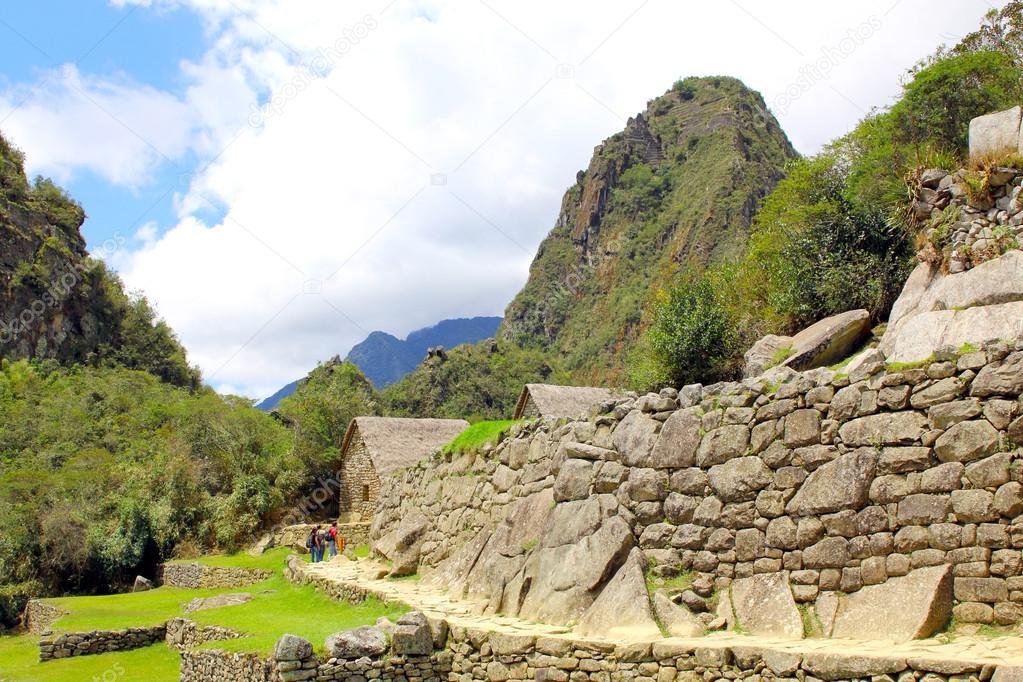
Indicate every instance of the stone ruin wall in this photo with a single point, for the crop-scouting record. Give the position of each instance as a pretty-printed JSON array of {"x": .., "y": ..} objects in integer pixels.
[
  {"x": 466, "y": 655},
  {"x": 833, "y": 481},
  {"x": 97, "y": 642},
  {"x": 197, "y": 576}
]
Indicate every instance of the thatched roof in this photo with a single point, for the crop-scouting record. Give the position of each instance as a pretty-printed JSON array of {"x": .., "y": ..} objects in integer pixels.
[
  {"x": 555, "y": 402},
  {"x": 394, "y": 443}
]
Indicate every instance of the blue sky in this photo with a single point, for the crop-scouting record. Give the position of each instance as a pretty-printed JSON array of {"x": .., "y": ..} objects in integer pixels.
[
  {"x": 136, "y": 43},
  {"x": 289, "y": 175}
]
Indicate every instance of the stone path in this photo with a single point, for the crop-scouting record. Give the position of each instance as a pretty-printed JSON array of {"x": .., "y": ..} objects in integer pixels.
[{"x": 435, "y": 602}]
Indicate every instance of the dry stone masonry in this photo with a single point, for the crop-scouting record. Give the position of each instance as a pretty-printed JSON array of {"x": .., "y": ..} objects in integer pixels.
[
  {"x": 968, "y": 287},
  {"x": 461, "y": 654},
  {"x": 803, "y": 503},
  {"x": 198, "y": 576},
  {"x": 98, "y": 642}
]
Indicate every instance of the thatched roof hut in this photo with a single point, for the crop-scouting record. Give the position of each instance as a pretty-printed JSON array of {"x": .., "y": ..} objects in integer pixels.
[
  {"x": 395, "y": 442},
  {"x": 554, "y": 402},
  {"x": 374, "y": 447}
]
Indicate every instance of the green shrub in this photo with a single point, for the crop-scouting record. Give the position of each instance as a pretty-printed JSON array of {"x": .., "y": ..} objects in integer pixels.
[{"x": 692, "y": 334}]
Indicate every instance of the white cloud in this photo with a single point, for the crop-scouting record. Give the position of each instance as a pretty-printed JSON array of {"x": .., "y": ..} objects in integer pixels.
[
  {"x": 119, "y": 129},
  {"x": 336, "y": 175}
]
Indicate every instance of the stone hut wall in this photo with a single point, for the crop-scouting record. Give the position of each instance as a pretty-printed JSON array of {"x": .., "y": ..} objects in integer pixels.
[
  {"x": 198, "y": 576},
  {"x": 835, "y": 480},
  {"x": 360, "y": 485},
  {"x": 98, "y": 642}
]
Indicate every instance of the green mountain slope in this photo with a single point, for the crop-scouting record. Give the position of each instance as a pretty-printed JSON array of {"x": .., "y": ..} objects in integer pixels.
[
  {"x": 676, "y": 189},
  {"x": 57, "y": 303}
]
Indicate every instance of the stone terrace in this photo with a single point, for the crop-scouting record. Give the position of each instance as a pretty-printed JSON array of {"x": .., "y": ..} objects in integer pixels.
[{"x": 349, "y": 578}]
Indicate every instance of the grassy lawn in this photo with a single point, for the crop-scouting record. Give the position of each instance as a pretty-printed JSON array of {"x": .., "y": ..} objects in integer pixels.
[
  {"x": 478, "y": 435},
  {"x": 272, "y": 559},
  {"x": 277, "y": 607},
  {"x": 19, "y": 662}
]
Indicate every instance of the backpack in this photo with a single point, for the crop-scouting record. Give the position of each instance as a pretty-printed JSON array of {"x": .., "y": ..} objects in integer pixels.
[{"x": 309, "y": 540}]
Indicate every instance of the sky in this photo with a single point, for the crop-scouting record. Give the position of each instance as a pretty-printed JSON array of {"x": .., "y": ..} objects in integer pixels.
[{"x": 281, "y": 177}]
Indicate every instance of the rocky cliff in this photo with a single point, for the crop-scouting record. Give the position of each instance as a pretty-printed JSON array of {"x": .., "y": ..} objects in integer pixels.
[
  {"x": 51, "y": 294},
  {"x": 677, "y": 188},
  {"x": 59, "y": 303},
  {"x": 823, "y": 494}
]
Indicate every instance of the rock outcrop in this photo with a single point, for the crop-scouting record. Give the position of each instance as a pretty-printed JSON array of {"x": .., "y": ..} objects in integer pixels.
[
  {"x": 693, "y": 166},
  {"x": 823, "y": 343},
  {"x": 997, "y": 134}
]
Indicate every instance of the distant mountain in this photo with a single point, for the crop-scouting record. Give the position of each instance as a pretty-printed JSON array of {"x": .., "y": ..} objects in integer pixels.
[{"x": 385, "y": 359}]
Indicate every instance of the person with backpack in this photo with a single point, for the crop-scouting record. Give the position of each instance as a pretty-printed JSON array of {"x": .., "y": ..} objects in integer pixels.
[
  {"x": 332, "y": 541},
  {"x": 314, "y": 543}
]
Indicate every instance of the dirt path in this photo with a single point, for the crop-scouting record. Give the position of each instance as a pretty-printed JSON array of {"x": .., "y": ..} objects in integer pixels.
[{"x": 435, "y": 602}]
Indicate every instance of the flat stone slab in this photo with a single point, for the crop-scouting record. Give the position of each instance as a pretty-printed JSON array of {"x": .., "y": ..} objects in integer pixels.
[
  {"x": 913, "y": 606},
  {"x": 219, "y": 601}
]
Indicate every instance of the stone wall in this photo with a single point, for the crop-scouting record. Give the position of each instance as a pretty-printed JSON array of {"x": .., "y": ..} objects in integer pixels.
[
  {"x": 964, "y": 230},
  {"x": 183, "y": 634},
  {"x": 198, "y": 576},
  {"x": 355, "y": 535},
  {"x": 467, "y": 655},
  {"x": 219, "y": 666},
  {"x": 40, "y": 615},
  {"x": 834, "y": 480},
  {"x": 98, "y": 642},
  {"x": 360, "y": 485}
]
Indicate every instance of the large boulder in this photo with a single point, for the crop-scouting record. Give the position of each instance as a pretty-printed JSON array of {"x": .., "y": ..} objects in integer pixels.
[
  {"x": 678, "y": 621},
  {"x": 822, "y": 343},
  {"x": 914, "y": 606},
  {"x": 634, "y": 437},
  {"x": 412, "y": 636},
  {"x": 402, "y": 545},
  {"x": 996, "y": 134},
  {"x": 765, "y": 354},
  {"x": 292, "y": 648},
  {"x": 937, "y": 312},
  {"x": 842, "y": 483},
  {"x": 142, "y": 584},
  {"x": 829, "y": 340},
  {"x": 740, "y": 479},
  {"x": 583, "y": 545},
  {"x": 763, "y": 605},
  {"x": 365, "y": 641},
  {"x": 503, "y": 554},
  {"x": 676, "y": 444},
  {"x": 623, "y": 608}
]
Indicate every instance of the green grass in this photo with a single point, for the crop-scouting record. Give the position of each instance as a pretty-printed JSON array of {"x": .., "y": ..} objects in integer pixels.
[
  {"x": 781, "y": 355},
  {"x": 479, "y": 434},
  {"x": 362, "y": 551},
  {"x": 280, "y": 607},
  {"x": 19, "y": 662},
  {"x": 678, "y": 582},
  {"x": 271, "y": 559},
  {"x": 277, "y": 607},
  {"x": 903, "y": 366}
]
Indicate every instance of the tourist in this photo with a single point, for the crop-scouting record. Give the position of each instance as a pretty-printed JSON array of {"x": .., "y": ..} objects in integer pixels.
[
  {"x": 315, "y": 544},
  {"x": 332, "y": 541}
]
